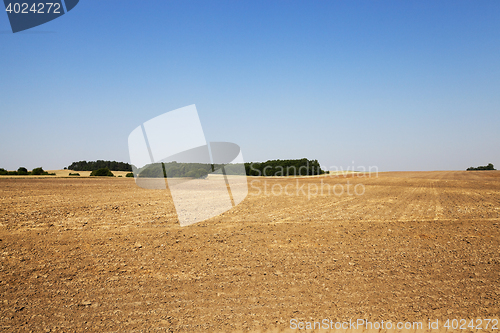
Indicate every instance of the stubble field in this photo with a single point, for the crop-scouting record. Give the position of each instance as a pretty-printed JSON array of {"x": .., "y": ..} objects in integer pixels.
[{"x": 103, "y": 255}]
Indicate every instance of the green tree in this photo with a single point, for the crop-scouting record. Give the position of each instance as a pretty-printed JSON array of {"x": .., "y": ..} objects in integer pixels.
[
  {"x": 38, "y": 171},
  {"x": 22, "y": 171},
  {"x": 301, "y": 167},
  {"x": 104, "y": 172},
  {"x": 482, "y": 167}
]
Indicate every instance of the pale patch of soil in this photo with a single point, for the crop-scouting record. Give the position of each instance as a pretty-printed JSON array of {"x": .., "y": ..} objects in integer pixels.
[{"x": 65, "y": 173}]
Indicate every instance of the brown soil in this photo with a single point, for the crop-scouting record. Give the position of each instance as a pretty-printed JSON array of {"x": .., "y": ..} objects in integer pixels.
[{"x": 103, "y": 255}]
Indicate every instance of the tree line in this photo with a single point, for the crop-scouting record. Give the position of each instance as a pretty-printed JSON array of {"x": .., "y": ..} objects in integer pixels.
[
  {"x": 22, "y": 171},
  {"x": 482, "y": 167},
  {"x": 99, "y": 164},
  {"x": 174, "y": 169},
  {"x": 299, "y": 167}
]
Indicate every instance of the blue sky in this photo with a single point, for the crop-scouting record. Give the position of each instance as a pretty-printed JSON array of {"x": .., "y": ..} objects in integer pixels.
[{"x": 401, "y": 85}]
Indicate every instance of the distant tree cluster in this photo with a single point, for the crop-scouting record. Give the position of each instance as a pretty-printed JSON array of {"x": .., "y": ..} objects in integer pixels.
[
  {"x": 99, "y": 164},
  {"x": 103, "y": 172},
  {"x": 22, "y": 171},
  {"x": 483, "y": 167},
  {"x": 302, "y": 167},
  {"x": 174, "y": 169}
]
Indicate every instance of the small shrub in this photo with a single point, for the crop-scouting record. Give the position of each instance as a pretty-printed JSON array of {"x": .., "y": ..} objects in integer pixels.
[
  {"x": 3, "y": 172},
  {"x": 104, "y": 172},
  {"x": 74, "y": 174},
  {"x": 119, "y": 175},
  {"x": 130, "y": 174},
  {"x": 38, "y": 171},
  {"x": 482, "y": 167},
  {"x": 198, "y": 173},
  {"x": 22, "y": 171}
]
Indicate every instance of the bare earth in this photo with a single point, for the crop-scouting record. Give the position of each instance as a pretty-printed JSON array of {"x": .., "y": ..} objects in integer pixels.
[{"x": 103, "y": 255}]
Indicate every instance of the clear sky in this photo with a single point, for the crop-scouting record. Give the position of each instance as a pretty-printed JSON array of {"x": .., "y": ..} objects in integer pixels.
[{"x": 401, "y": 85}]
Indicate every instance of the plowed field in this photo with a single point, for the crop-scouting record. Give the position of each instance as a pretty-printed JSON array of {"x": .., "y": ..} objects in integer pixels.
[{"x": 103, "y": 255}]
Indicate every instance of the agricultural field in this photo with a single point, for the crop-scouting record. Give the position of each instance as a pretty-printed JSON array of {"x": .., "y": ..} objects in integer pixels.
[{"x": 104, "y": 255}]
